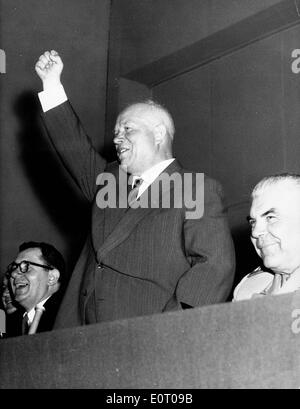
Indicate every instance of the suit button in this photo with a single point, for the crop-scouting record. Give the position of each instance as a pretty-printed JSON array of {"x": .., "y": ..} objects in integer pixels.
[
  {"x": 100, "y": 266},
  {"x": 84, "y": 292}
]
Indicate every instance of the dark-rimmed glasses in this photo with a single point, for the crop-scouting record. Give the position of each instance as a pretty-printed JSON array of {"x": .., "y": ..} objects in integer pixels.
[{"x": 23, "y": 267}]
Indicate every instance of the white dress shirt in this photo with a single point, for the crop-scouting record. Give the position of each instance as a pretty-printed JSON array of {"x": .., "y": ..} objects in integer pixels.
[
  {"x": 31, "y": 313},
  {"x": 151, "y": 174},
  {"x": 52, "y": 97}
]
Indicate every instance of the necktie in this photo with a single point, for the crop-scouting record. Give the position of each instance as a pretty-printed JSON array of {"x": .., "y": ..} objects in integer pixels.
[
  {"x": 135, "y": 191},
  {"x": 25, "y": 325},
  {"x": 37, "y": 316}
]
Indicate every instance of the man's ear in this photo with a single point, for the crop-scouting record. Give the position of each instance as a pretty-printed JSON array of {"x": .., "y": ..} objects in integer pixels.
[
  {"x": 160, "y": 133},
  {"x": 53, "y": 277}
]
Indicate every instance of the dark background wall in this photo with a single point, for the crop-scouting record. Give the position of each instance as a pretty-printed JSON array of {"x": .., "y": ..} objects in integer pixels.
[
  {"x": 223, "y": 68},
  {"x": 38, "y": 199}
]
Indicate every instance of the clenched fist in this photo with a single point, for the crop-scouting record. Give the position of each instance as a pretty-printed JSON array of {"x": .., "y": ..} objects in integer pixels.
[{"x": 49, "y": 68}]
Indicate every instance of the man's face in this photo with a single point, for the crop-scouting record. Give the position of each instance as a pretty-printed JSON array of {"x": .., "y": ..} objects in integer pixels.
[
  {"x": 135, "y": 139},
  {"x": 275, "y": 221},
  {"x": 31, "y": 287}
]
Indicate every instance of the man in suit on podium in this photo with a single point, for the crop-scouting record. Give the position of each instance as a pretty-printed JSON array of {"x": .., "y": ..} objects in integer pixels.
[
  {"x": 141, "y": 256},
  {"x": 34, "y": 280}
]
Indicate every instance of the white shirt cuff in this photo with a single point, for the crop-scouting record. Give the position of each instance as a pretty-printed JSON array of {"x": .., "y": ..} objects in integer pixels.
[{"x": 52, "y": 97}]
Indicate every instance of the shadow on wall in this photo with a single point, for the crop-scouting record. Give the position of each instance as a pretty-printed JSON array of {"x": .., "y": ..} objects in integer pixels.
[
  {"x": 108, "y": 151},
  {"x": 55, "y": 190}
]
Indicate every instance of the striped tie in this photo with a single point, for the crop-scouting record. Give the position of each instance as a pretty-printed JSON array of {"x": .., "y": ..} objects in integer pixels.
[{"x": 133, "y": 194}]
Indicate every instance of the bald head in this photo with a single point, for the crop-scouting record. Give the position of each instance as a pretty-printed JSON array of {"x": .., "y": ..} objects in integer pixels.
[
  {"x": 155, "y": 112},
  {"x": 143, "y": 136}
]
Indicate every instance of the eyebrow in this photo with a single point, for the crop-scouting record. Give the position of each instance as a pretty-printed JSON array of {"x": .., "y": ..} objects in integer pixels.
[
  {"x": 272, "y": 210},
  {"x": 266, "y": 213},
  {"x": 126, "y": 122}
]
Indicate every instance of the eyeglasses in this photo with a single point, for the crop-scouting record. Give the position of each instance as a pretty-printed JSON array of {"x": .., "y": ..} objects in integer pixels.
[{"x": 23, "y": 266}]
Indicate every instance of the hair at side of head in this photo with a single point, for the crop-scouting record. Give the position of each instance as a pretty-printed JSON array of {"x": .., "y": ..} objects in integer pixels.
[
  {"x": 164, "y": 114},
  {"x": 50, "y": 254},
  {"x": 268, "y": 181}
]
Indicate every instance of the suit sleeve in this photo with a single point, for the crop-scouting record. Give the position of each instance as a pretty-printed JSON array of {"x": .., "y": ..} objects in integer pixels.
[
  {"x": 74, "y": 147},
  {"x": 210, "y": 251}
]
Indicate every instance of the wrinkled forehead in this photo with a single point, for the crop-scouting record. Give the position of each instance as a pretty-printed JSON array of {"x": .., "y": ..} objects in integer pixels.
[
  {"x": 138, "y": 113},
  {"x": 284, "y": 197}
]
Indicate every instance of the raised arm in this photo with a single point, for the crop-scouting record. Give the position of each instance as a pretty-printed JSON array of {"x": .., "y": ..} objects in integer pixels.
[{"x": 64, "y": 128}]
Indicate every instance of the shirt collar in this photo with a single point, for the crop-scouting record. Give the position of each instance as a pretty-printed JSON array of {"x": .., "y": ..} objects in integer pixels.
[
  {"x": 151, "y": 174},
  {"x": 31, "y": 313}
]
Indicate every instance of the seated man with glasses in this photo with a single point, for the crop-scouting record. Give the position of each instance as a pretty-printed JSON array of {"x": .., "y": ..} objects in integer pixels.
[{"x": 35, "y": 280}]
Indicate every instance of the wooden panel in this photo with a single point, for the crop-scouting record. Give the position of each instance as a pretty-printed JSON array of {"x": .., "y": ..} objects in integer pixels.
[
  {"x": 247, "y": 344},
  {"x": 217, "y": 44},
  {"x": 247, "y": 117},
  {"x": 291, "y": 99},
  {"x": 188, "y": 99}
]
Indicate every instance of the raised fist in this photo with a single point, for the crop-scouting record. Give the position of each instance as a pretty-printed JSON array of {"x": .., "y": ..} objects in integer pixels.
[{"x": 49, "y": 68}]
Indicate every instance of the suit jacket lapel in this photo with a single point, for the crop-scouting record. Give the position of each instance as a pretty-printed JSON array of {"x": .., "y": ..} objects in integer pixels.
[
  {"x": 51, "y": 307},
  {"x": 113, "y": 215},
  {"x": 129, "y": 218}
]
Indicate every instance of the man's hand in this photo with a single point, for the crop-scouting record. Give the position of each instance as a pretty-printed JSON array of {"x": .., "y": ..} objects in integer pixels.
[{"x": 49, "y": 68}]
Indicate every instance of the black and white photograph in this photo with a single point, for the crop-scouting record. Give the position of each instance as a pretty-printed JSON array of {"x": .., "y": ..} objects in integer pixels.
[{"x": 149, "y": 197}]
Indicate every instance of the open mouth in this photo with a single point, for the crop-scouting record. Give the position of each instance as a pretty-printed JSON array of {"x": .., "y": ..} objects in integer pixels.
[
  {"x": 122, "y": 151},
  {"x": 20, "y": 287}
]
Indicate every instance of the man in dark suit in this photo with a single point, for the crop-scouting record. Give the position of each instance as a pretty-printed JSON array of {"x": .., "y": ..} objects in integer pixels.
[
  {"x": 34, "y": 280},
  {"x": 146, "y": 255}
]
